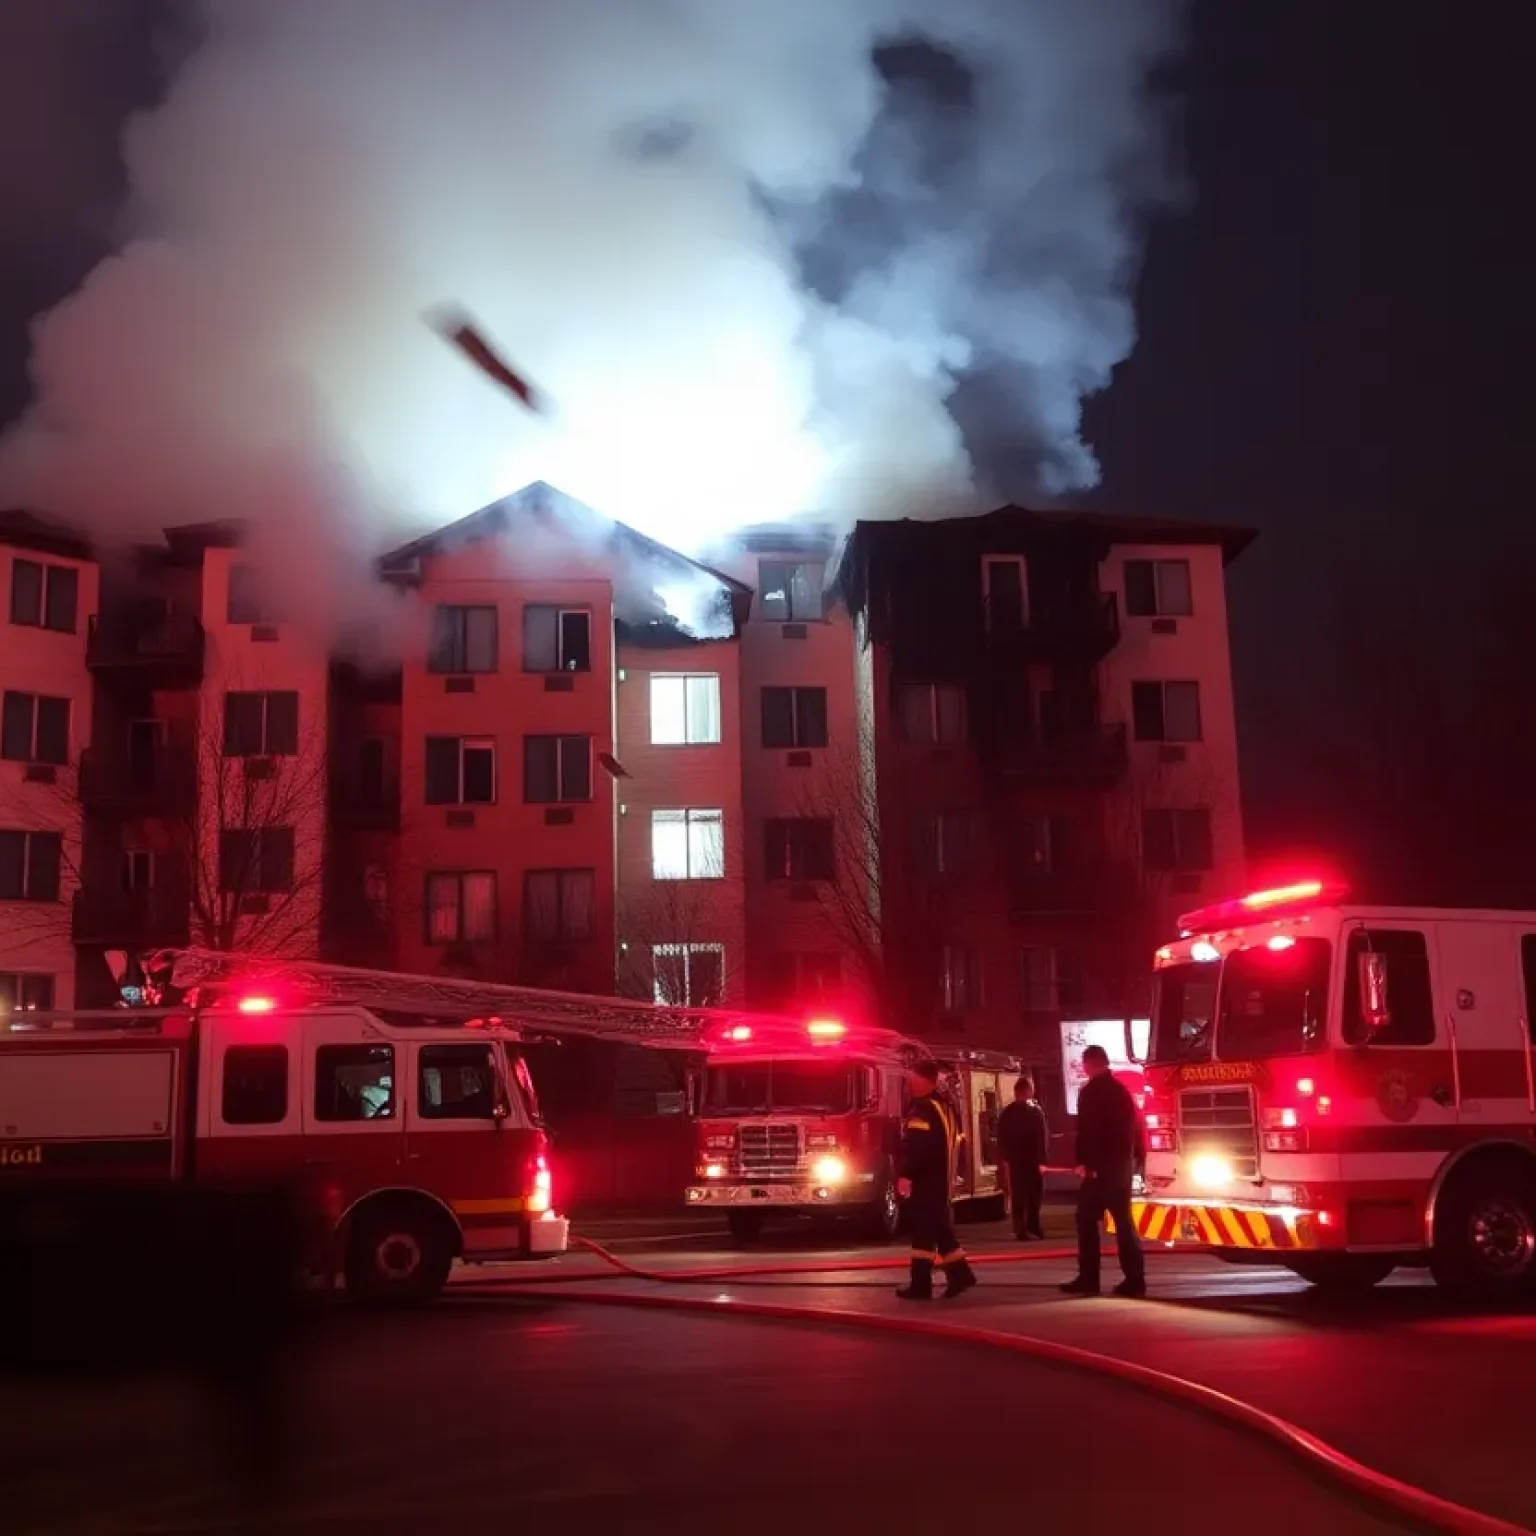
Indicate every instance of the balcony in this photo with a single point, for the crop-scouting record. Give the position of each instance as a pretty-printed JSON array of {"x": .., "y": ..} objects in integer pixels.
[
  {"x": 1081, "y": 629},
  {"x": 1092, "y": 757},
  {"x": 160, "y": 783},
  {"x": 105, "y": 913},
  {"x": 158, "y": 649}
]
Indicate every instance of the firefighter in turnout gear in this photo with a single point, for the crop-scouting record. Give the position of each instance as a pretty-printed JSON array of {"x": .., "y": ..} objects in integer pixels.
[{"x": 929, "y": 1144}]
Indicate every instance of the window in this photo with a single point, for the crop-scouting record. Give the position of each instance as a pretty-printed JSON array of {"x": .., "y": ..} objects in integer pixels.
[
  {"x": 688, "y": 845},
  {"x": 960, "y": 979},
  {"x": 461, "y": 907},
  {"x": 557, "y": 770},
  {"x": 800, "y": 849},
  {"x": 255, "y": 1085},
  {"x": 256, "y": 861},
  {"x": 355, "y": 1082},
  {"x": 1410, "y": 997},
  {"x": 246, "y": 603},
  {"x": 1176, "y": 840},
  {"x": 461, "y": 770},
  {"x": 1006, "y": 590},
  {"x": 794, "y": 717},
  {"x": 932, "y": 712},
  {"x": 261, "y": 724},
  {"x": 34, "y": 729},
  {"x": 942, "y": 842},
  {"x": 685, "y": 709},
  {"x": 556, "y": 639},
  {"x": 558, "y": 905},
  {"x": 29, "y": 865},
  {"x": 45, "y": 596},
  {"x": 1044, "y": 843},
  {"x": 1158, "y": 589},
  {"x": 689, "y": 975},
  {"x": 791, "y": 591},
  {"x": 808, "y": 974},
  {"x": 25, "y": 992},
  {"x": 138, "y": 869},
  {"x": 463, "y": 640},
  {"x": 1053, "y": 979},
  {"x": 1166, "y": 711},
  {"x": 456, "y": 1082},
  {"x": 372, "y": 770}
]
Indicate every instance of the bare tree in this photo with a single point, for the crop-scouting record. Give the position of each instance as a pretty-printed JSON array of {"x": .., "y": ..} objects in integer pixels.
[{"x": 674, "y": 950}]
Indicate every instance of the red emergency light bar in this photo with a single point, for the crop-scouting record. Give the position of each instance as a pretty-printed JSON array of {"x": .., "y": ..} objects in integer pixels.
[
  {"x": 826, "y": 1029},
  {"x": 1278, "y": 901},
  {"x": 256, "y": 1003}
]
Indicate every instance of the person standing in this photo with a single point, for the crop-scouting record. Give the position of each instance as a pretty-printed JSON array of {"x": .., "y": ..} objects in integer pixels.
[
  {"x": 1022, "y": 1141},
  {"x": 1110, "y": 1148},
  {"x": 930, "y": 1144}
]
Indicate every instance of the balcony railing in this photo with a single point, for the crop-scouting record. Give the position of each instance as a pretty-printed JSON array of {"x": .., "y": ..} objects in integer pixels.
[
  {"x": 105, "y": 913},
  {"x": 1091, "y": 757},
  {"x": 168, "y": 645},
  {"x": 162, "y": 782},
  {"x": 1084, "y": 628}
]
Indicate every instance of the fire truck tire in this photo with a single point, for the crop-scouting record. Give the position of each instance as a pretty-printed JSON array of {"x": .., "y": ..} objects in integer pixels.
[
  {"x": 398, "y": 1255},
  {"x": 746, "y": 1226},
  {"x": 1485, "y": 1232},
  {"x": 1342, "y": 1273}
]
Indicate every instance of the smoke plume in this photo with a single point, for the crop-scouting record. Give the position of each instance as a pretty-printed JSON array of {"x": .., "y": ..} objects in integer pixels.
[{"x": 748, "y": 249}]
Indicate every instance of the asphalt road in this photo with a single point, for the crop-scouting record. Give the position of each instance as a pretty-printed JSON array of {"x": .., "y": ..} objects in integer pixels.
[{"x": 491, "y": 1414}]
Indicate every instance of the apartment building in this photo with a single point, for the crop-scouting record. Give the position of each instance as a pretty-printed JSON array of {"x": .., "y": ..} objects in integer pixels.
[{"x": 1054, "y": 758}]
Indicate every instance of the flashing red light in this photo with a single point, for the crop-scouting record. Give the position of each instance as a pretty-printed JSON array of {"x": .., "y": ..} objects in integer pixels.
[
  {"x": 739, "y": 1032},
  {"x": 1223, "y": 914},
  {"x": 256, "y": 1004},
  {"x": 826, "y": 1029},
  {"x": 1305, "y": 1087}
]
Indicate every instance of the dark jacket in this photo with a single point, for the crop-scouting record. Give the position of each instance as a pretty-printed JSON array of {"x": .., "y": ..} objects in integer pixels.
[
  {"x": 928, "y": 1144},
  {"x": 1110, "y": 1141},
  {"x": 1023, "y": 1136}
]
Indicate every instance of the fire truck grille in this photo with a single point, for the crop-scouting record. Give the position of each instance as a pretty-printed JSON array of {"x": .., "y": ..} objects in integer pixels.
[
  {"x": 1220, "y": 1122},
  {"x": 770, "y": 1151}
]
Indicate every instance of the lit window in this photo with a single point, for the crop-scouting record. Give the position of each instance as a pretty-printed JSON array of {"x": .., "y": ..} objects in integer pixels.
[
  {"x": 790, "y": 590},
  {"x": 688, "y": 845},
  {"x": 689, "y": 975},
  {"x": 461, "y": 907},
  {"x": 685, "y": 709}
]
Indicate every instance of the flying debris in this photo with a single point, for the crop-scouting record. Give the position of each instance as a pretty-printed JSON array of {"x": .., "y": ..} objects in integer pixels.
[{"x": 462, "y": 332}]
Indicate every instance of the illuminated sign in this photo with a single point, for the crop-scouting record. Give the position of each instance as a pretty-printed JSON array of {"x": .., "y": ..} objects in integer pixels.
[{"x": 1078, "y": 1035}]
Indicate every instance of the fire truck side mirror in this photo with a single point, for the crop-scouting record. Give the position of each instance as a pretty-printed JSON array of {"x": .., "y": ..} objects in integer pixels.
[
  {"x": 1375, "y": 1009},
  {"x": 691, "y": 1094},
  {"x": 1130, "y": 1046}
]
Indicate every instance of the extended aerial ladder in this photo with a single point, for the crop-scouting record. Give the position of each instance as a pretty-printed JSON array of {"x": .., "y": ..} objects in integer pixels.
[{"x": 204, "y": 976}]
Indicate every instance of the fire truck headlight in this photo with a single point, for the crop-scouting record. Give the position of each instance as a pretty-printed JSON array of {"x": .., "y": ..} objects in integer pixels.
[
  {"x": 829, "y": 1170},
  {"x": 1210, "y": 1172},
  {"x": 714, "y": 1171}
]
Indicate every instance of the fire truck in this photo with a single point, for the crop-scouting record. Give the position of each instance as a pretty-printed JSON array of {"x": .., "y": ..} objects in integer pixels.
[
  {"x": 405, "y": 1099},
  {"x": 1345, "y": 1089},
  {"x": 804, "y": 1119}
]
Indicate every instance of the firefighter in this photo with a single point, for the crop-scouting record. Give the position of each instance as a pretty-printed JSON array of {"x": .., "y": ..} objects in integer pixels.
[
  {"x": 929, "y": 1144},
  {"x": 1022, "y": 1139}
]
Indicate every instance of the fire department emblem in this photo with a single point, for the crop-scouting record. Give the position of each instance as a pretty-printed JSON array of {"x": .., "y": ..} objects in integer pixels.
[{"x": 1395, "y": 1095}]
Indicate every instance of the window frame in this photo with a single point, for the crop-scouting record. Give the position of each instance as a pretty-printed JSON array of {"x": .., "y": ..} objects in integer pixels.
[
  {"x": 47, "y": 573},
  {"x": 562, "y": 742},
  {"x": 243, "y": 603},
  {"x": 459, "y": 877},
  {"x": 935, "y": 738},
  {"x": 686, "y": 951},
  {"x": 798, "y": 733},
  {"x": 266, "y": 695},
  {"x": 789, "y": 568},
  {"x": 969, "y": 997},
  {"x": 1162, "y": 685},
  {"x": 1179, "y": 866},
  {"x": 248, "y": 1049},
  {"x": 20, "y": 980},
  {"x": 1160, "y": 609},
  {"x": 34, "y": 706},
  {"x": 330, "y": 1050},
  {"x": 562, "y": 612},
  {"x": 563, "y": 874},
  {"x": 791, "y": 841},
  {"x": 29, "y": 836},
  {"x": 257, "y": 883},
  {"x": 991, "y": 562},
  {"x": 463, "y": 746},
  {"x": 684, "y": 679},
  {"x": 691, "y": 816},
  {"x": 460, "y": 613},
  {"x": 425, "y": 1054}
]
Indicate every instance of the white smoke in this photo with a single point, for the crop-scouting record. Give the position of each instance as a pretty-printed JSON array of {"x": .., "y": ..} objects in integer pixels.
[{"x": 612, "y": 188}]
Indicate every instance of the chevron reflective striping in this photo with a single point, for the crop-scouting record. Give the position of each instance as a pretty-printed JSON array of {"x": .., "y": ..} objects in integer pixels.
[{"x": 1221, "y": 1226}]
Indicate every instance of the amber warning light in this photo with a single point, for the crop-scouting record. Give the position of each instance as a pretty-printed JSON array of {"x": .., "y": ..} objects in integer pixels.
[
  {"x": 826, "y": 1029},
  {"x": 256, "y": 1004}
]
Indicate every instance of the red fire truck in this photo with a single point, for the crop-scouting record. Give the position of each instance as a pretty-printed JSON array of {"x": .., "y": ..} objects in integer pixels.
[
  {"x": 407, "y": 1098},
  {"x": 804, "y": 1119},
  {"x": 1343, "y": 1089}
]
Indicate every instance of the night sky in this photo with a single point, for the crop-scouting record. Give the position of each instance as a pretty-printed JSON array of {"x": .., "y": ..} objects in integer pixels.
[{"x": 1337, "y": 336}]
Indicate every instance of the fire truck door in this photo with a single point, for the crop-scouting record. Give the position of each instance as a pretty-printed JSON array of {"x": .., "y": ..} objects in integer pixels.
[
  {"x": 453, "y": 1094},
  {"x": 1484, "y": 1004},
  {"x": 984, "y": 1112},
  {"x": 353, "y": 1105}
]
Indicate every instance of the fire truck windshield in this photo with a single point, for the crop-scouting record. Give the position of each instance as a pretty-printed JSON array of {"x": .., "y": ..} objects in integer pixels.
[
  {"x": 1273, "y": 1002},
  {"x": 788, "y": 1087}
]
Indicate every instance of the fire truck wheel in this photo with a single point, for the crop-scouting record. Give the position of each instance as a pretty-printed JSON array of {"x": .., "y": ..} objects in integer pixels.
[
  {"x": 746, "y": 1226},
  {"x": 397, "y": 1256},
  {"x": 1485, "y": 1233},
  {"x": 1343, "y": 1272}
]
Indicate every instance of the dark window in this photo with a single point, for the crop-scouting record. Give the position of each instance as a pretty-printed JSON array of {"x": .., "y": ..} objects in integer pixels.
[
  {"x": 960, "y": 979},
  {"x": 800, "y": 849},
  {"x": 45, "y": 596},
  {"x": 461, "y": 907},
  {"x": 246, "y": 605},
  {"x": 25, "y": 992},
  {"x": 34, "y": 729},
  {"x": 255, "y": 1085},
  {"x": 794, "y": 717},
  {"x": 790, "y": 591},
  {"x": 261, "y": 724},
  {"x": 1410, "y": 998},
  {"x": 138, "y": 869},
  {"x": 558, "y": 905},
  {"x": 456, "y": 1082},
  {"x": 932, "y": 712},
  {"x": 463, "y": 640},
  {"x": 256, "y": 861},
  {"x": 1003, "y": 577},
  {"x": 1166, "y": 711},
  {"x": 29, "y": 865},
  {"x": 460, "y": 771},
  {"x": 1040, "y": 979},
  {"x": 557, "y": 770},
  {"x": 1177, "y": 840},
  {"x": 354, "y": 1082},
  {"x": 1158, "y": 589},
  {"x": 942, "y": 842},
  {"x": 556, "y": 639},
  {"x": 371, "y": 769}
]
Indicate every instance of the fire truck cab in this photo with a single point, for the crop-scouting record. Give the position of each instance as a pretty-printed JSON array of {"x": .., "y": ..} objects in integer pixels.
[
  {"x": 1344, "y": 1089},
  {"x": 804, "y": 1119}
]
